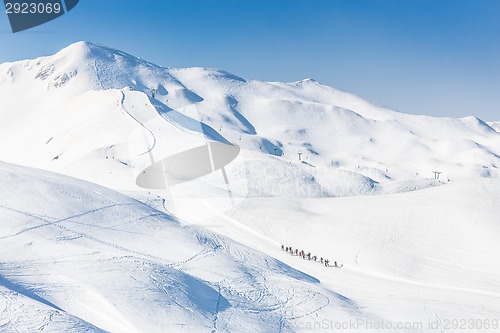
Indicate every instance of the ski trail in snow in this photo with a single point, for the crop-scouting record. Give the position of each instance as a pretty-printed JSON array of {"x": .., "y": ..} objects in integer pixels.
[
  {"x": 425, "y": 248},
  {"x": 434, "y": 314},
  {"x": 8, "y": 307},
  {"x": 216, "y": 314},
  {"x": 357, "y": 255},
  {"x": 122, "y": 102},
  {"x": 203, "y": 253},
  {"x": 228, "y": 224},
  {"x": 82, "y": 234},
  {"x": 48, "y": 223},
  {"x": 94, "y": 65},
  {"x": 388, "y": 277},
  {"x": 57, "y": 223},
  {"x": 109, "y": 244},
  {"x": 263, "y": 291}
]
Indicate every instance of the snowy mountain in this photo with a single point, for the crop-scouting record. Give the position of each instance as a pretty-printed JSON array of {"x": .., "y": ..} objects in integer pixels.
[
  {"x": 90, "y": 106},
  {"x": 106, "y": 238}
]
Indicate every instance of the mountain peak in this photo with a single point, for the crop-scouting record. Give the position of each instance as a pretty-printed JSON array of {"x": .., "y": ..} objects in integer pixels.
[
  {"x": 78, "y": 49},
  {"x": 104, "y": 67},
  {"x": 81, "y": 50},
  {"x": 81, "y": 44},
  {"x": 306, "y": 81}
]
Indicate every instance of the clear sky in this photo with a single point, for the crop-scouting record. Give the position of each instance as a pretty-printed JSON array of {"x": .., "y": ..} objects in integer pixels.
[{"x": 436, "y": 57}]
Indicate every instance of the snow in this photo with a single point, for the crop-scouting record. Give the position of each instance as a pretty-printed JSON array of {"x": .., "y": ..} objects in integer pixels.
[
  {"x": 111, "y": 233},
  {"x": 85, "y": 258},
  {"x": 495, "y": 125}
]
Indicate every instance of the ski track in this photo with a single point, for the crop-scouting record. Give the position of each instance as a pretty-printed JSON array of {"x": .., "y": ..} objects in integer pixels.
[
  {"x": 81, "y": 234},
  {"x": 122, "y": 102},
  {"x": 48, "y": 223},
  {"x": 9, "y": 305},
  {"x": 216, "y": 314},
  {"x": 390, "y": 278},
  {"x": 93, "y": 64}
]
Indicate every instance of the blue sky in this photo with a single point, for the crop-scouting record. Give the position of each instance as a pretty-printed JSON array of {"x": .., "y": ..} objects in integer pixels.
[{"x": 436, "y": 57}]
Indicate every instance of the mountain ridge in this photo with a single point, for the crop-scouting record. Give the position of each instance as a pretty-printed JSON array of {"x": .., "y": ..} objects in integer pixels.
[
  {"x": 495, "y": 125},
  {"x": 332, "y": 129}
]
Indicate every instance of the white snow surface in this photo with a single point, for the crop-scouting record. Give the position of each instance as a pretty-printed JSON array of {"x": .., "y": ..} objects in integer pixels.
[
  {"x": 79, "y": 257},
  {"x": 495, "y": 125},
  {"x": 84, "y": 249}
]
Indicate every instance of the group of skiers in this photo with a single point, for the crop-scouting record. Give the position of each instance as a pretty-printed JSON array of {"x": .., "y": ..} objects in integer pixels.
[{"x": 308, "y": 256}]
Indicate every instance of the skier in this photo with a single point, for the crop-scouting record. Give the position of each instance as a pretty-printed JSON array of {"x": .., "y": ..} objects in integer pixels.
[
  {"x": 282, "y": 247},
  {"x": 321, "y": 260}
]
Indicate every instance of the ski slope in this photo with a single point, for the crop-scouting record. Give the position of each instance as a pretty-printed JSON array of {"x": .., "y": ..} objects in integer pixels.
[
  {"x": 79, "y": 257},
  {"x": 86, "y": 248}
]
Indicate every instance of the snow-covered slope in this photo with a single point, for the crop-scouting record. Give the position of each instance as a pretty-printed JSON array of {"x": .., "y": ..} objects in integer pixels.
[
  {"x": 423, "y": 258},
  {"x": 78, "y": 257},
  {"x": 89, "y": 105},
  {"x": 495, "y": 125}
]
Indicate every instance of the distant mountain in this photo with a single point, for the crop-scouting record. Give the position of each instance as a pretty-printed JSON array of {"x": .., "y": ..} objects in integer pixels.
[{"x": 89, "y": 111}]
